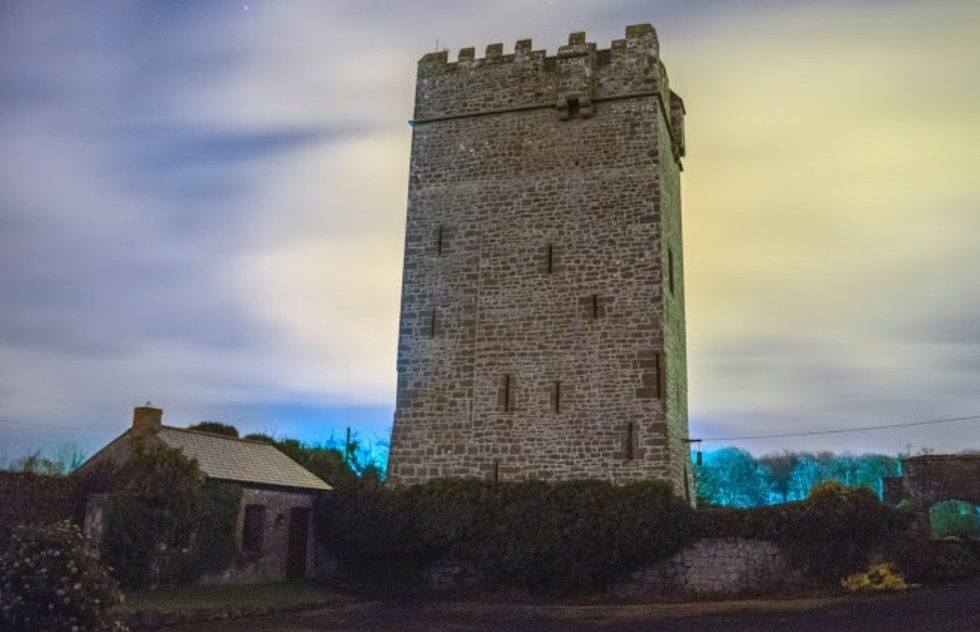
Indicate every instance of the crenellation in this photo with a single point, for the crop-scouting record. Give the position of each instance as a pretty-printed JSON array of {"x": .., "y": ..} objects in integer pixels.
[
  {"x": 497, "y": 82},
  {"x": 494, "y": 52},
  {"x": 436, "y": 57}
]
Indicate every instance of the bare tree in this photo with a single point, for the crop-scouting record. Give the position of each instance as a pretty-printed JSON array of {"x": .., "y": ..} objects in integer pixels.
[{"x": 779, "y": 466}]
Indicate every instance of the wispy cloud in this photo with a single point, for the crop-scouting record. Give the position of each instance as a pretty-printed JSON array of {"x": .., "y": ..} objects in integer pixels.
[{"x": 203, "y": 205}]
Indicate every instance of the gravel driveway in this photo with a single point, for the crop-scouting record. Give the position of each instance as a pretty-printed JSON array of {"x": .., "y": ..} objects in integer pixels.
[{"x": 950, "y": 608}]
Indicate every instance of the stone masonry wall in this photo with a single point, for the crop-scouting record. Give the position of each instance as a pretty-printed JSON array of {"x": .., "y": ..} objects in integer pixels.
[
  {"x": 709, "y": 567},
  {"x": 539, "y": 335},
  {"x": 927, "y": 480},
  {"x": 270, "y": 566},
  {"x": 717, "y": 567}
]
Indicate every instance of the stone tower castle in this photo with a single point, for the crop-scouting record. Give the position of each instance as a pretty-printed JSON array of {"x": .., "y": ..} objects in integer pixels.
[{"x": 542, "y": 311}]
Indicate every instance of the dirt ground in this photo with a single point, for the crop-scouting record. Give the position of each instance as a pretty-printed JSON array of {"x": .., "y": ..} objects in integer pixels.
[{"x": 950, "y": 608}]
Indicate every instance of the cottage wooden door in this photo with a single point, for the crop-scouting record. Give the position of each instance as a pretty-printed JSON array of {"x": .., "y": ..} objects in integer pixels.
[{"x": 299, "y": 535}]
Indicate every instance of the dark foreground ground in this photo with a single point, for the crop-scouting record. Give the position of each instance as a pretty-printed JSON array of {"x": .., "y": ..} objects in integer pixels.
[{"x": 949, "y": 608}]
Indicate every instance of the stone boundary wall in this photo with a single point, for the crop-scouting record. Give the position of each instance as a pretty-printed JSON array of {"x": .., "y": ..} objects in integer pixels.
[
  {"x": 934, "y": 478},
  {"x": 709, "y": 567},
  {"x": 717, "y": 566}
]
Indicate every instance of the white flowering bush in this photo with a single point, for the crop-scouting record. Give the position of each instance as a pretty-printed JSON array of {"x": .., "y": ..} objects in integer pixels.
[{"x": 51, "y": 580}]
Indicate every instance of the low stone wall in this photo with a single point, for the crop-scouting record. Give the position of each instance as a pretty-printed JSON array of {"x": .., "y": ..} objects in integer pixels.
[{"x": 717, "y": 567}]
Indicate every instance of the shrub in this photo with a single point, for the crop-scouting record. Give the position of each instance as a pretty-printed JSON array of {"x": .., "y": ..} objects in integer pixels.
[
  {"x": 837, "y": 528},
  {"x": 938, "y": 561},
  {"x": 545, "y": 538},
  {"x": 828, "y": 536},
  {"x": 216, "y": 546},
  {"x": 879, "y": 577},
  {"x": 52, "y": 581},
  {"x": 149, "y": 523},
  {"x": 34, "y": 498},
  {"x": 215, "y": 427},
  {"x": 167, "y": 526},
  {"x": 953, "y": 519}
]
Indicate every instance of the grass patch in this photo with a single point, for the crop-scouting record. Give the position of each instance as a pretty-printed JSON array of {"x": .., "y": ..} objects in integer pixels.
[{"x": 197, "y": 598}]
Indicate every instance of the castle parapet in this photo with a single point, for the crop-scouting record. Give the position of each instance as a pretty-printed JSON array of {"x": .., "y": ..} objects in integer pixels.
[{"x": 527, "y": 78}]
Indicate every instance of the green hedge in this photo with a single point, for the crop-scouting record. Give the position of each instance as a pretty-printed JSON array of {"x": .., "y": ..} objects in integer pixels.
[
  {"x": 545, "y": 538},
  {"x": 579, "y": 536},
  {"x": 828, "y": 535},
  {"x": 30, "y": 498}
]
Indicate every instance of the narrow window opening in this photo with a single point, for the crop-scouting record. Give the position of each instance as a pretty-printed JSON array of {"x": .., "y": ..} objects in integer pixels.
[
  {"x": 573, "y": 107},
  {"x": 629, "y": 441},
  {"x": 432, "y": 323},
  {"x": 661, "y": 377},
  {"x": 595, "y": 306},
  {"x": 253, "y": 529},
  {"x": 557, "y": 397},
  {"x": 439, "y": 240},
  {"x": 551, "y": 259},
  {"x": 507, "y": 387},
  {"x": 496, "y": 470},
  {"x": 687, "y": 486}
]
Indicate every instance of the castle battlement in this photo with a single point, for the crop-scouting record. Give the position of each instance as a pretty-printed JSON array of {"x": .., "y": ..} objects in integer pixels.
[
  {"x": 637, "y": 36},
  {"x": 578, "y": 73}
]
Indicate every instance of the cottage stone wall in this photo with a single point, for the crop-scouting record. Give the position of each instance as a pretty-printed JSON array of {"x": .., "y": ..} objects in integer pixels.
[
  {"x": 270, "y": 565},
  {"x": 541, "y": 333}
]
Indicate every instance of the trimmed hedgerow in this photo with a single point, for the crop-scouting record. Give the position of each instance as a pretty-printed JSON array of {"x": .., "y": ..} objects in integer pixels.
[
  {"x": 579, "y": 536},
  {"x": 838, "y": 528},
  {"x": 828, "y": 536},
  {"x": 51, "y": 580},
  {"x": 545, "y": 538},
  {"x": 30, "y": 498}
]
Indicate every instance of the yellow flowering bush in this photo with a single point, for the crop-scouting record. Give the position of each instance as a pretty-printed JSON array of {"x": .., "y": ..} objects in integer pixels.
[
  {"x": 878, "y": 577},
  {"x": 51, "y": 580}
]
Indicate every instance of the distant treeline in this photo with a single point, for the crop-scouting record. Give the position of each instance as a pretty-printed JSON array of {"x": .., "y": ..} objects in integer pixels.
[{"x": 733, "y": 477}]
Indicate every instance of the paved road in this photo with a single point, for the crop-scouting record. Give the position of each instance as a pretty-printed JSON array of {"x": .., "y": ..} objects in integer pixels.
[{"x": 953, "y": 608}]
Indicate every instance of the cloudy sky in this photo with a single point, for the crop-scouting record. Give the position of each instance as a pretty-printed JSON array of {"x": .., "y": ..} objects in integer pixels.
[{"x": 202, "y": 206}]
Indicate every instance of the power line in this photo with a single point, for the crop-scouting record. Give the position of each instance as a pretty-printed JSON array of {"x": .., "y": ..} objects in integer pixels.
[
  {"x": 813, "y": 433},
  {"x": 810, "y": 433},
  {"x": 31, "y": 425}
]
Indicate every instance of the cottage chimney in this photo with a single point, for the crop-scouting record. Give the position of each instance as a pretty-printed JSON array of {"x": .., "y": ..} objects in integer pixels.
[{"x": 147, "y": 419}]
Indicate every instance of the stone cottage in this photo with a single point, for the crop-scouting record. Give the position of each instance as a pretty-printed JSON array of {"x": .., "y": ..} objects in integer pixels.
[{"x": 275, "y": 519}]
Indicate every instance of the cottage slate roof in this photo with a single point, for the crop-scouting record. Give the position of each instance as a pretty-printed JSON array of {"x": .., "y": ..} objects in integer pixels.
[{"x": 230, "y": 459}]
